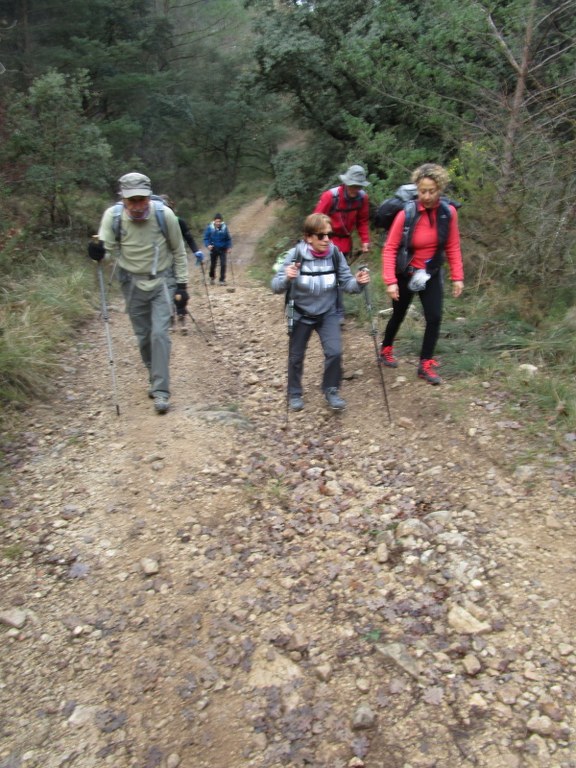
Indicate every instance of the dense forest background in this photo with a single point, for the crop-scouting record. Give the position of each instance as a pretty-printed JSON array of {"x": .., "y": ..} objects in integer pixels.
[{"x": 216, "y": 98}]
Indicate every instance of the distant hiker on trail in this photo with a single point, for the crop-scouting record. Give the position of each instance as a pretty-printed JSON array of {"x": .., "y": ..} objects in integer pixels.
[
  {"x": 421, "y": 236},
  {"x": 348, "y": 208},
  {"x": 312, "y": 275},
  {"x": 181, "y": 311},
  {"x": 152, "y": 267},
  {"x": 218, "y": 241}
]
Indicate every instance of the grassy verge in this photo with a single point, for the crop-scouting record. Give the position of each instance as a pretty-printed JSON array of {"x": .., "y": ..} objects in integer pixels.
[{"x": 39, "y": 308}]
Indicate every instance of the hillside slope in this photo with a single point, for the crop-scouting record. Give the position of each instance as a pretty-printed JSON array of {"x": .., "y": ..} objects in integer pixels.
[{"x": 228, "y": 586}]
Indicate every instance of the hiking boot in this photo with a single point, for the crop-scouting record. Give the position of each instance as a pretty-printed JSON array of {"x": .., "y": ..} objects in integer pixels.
[
  {"x": 161, "y": 403},
  {"x": 387, "y": 357},
  {"x": 426, "y": 370},
  {"x": 334, "y": 400},
  {"x": 222, "y": 282},
  {"x": 182, "y": 324},
  {"x": 295, "y": 402}
]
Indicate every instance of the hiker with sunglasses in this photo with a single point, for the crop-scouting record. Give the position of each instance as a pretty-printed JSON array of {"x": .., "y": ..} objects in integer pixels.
[{"x": 313, "y": 275}]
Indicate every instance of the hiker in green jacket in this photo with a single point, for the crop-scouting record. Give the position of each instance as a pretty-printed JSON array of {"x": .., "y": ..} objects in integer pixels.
[{"x": 152, "y": 267}]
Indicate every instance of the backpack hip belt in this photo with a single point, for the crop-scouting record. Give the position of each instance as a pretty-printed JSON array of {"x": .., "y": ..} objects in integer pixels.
[{"x": 168, "y": 272}]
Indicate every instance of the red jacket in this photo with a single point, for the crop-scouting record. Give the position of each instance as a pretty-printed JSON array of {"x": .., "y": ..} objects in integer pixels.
[
  {"x": 350, "y": 214},
  {"x": 424, "y": 244}
]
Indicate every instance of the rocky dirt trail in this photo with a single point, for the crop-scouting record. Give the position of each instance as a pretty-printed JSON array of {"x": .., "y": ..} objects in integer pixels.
[{"x": 222, "y": 587}]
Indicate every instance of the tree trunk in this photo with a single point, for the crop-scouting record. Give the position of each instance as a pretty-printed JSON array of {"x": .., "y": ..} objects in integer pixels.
[{"x": 515, "y": 120}]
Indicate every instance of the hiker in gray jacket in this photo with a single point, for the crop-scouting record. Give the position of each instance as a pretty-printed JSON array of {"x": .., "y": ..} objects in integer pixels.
[{"x": 312, "y": 275}]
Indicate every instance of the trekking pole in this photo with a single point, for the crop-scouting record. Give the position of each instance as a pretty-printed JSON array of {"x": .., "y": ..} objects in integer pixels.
[
  {"x": 289, "y": 329},
  {"x": 200, "y": 331},
  {"x": 232, "y": 272},
  {"x": 354, "y": 256},
  {"x": 108, "y": 335},
  {"x": 208, "y": 295},
  {"x": 374, "y": 334},
  {"x": 177, "y": 298}
]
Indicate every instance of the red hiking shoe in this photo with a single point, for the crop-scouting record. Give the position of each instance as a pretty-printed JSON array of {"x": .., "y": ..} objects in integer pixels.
[
  {"x": 387, "y": 357},
  {"x": 426, "y": 370}
]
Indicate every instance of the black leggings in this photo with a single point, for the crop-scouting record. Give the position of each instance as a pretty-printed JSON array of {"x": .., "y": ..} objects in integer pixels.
[{"x": 431, "y": 299}]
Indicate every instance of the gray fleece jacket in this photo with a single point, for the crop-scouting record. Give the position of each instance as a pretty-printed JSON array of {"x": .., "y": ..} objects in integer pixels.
[{"x": 315, "y": 290}]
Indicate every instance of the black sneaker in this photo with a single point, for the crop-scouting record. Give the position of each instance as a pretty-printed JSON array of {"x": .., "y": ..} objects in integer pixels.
[{"x": 334, "y": 400}]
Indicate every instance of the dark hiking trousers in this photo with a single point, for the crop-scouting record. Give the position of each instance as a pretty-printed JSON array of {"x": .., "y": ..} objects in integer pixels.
[
  {"x": 431, "y": 299},
  {"x": 216, "y": 254},
  {"x": 328, "y": 329}
]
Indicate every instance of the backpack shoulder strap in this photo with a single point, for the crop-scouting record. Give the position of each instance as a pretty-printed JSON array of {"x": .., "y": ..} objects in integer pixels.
[
  {"x": 117, "y": 221},
  {"x": 334, "y": 206},
  {"x": 335, "y": 259},
  {"x": 410, "y": 218},
  {"x": 350, "y": 205},
  {"x": 159, "y": 211},
  {"x": 443, "y": 219}
]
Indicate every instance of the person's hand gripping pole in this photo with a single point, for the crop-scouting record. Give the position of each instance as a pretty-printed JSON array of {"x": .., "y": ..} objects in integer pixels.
[{"x": 292, "y": 271}]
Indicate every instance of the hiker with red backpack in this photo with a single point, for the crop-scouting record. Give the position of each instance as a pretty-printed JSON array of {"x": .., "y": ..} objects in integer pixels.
[
  {"x": 348, "y": 208},
  {"x": 423, "y": 234}
]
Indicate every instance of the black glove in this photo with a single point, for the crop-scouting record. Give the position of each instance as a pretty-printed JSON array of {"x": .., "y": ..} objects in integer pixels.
[
  {"x": 181, "y": 297},
  {"x": 96, "y": 250}
]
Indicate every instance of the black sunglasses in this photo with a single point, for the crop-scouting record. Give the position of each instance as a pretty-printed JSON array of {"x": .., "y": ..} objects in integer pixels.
[{"x": 324, "y": 235}]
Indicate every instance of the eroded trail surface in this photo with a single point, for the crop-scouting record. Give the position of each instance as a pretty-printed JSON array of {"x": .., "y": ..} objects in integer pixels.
[{"x": 222, "y": 587}]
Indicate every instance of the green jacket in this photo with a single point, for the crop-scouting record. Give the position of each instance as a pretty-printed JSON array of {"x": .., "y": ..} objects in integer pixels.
[{"x": 143, "y": 249}]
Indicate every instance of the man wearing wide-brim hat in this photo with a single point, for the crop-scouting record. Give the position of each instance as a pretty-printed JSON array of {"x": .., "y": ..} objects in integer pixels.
[{"x": 348, "y": 208}]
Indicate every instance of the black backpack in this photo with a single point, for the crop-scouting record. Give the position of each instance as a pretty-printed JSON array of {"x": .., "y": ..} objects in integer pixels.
[{"x": 387, "y": 210}]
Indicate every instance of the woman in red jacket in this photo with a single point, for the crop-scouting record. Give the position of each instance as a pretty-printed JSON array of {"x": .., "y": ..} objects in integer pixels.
[{"x": 431, "y": 235}]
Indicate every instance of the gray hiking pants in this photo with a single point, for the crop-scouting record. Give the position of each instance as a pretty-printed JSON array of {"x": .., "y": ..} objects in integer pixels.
[
  {"x": 328, "y": 329},
  {"x": 150, "y": 313}
]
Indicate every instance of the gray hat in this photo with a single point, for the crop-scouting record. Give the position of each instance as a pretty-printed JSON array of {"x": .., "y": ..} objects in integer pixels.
[
  {"x": 135, "y": 185},
  {"x": 355, "y": 176}
]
